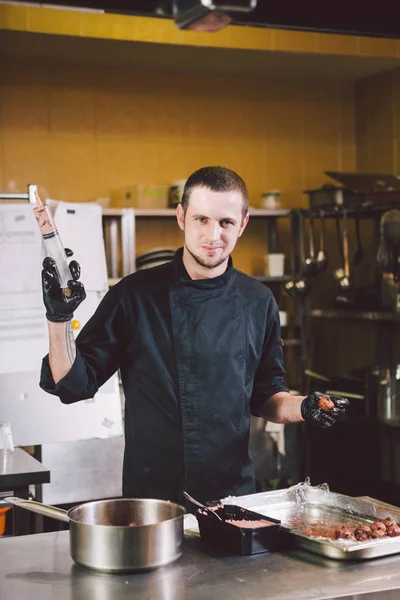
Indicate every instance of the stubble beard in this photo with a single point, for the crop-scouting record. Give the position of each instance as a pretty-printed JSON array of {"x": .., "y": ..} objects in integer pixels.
[{"x": 206, "y": 265}]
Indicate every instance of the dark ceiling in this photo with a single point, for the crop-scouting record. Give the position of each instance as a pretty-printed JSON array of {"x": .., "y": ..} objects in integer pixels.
[{"x": 336, "y": 16}]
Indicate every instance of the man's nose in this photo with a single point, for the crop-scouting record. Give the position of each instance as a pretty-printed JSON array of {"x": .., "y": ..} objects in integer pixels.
[{"x": 213, "y": 230}]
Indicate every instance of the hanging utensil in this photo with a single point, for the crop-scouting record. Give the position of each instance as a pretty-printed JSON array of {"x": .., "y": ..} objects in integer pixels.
[
  {"x": 294, "y": 255},
  {"x": 344, "y": 282},
  {"x": 339, "y": 273},
  {"x": 310, "y": 267},
  {"x": 359, "y": 253},
  {"x": 302, "y": 286},
  {"x": 322, "y": 256},
  {"x": 200, "y": 505}
]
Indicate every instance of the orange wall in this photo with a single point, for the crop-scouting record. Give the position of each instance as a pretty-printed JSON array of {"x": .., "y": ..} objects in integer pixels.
[
  {"x": 378, "y": 123},
  {"x": 79, "y": 131}
]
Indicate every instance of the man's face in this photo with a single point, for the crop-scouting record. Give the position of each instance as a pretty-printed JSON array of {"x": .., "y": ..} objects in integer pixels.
[{"x": 212, "y": 225}]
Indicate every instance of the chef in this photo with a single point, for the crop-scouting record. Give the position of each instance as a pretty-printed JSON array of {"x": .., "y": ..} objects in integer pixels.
[{"x": 198, "y": 346}]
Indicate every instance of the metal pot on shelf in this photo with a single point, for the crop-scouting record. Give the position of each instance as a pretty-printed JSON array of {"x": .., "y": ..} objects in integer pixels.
[{"x": 383, "y": 392}]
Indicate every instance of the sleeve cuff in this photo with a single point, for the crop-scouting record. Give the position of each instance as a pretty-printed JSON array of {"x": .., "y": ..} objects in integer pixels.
[
  {"x": 70, "y": 388},
  {"x": 258, "y": 401}
]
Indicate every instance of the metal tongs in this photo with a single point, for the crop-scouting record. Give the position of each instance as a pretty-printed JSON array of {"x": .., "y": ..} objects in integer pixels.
[{"x": 200, "y": 505}]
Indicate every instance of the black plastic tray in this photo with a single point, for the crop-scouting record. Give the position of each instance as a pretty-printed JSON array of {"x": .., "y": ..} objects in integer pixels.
[{"x": 233, "y": 539}]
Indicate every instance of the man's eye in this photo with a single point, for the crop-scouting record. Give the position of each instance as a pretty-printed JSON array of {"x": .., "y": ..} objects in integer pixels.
[
  {"x": 201, "y": 219},
  {"x": 225, "y": 223}
]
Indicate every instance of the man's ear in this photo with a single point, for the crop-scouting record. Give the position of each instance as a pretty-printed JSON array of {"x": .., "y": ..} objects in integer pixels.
[
  {"x": 243, "y": 225},
  {"x": 180, "y": 216}
]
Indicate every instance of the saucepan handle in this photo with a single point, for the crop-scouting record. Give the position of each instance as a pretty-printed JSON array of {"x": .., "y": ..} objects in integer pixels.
[{"x": 38, "y": 507}]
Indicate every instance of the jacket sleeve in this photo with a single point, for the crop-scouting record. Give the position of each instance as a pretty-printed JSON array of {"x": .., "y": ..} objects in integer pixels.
[
  {"x": 270, "y": 375},
  {"x": 99, "y": 348}
]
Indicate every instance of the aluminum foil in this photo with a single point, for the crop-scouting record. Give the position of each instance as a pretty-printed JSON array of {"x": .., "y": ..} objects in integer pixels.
[{"x": 311, "y": 514}]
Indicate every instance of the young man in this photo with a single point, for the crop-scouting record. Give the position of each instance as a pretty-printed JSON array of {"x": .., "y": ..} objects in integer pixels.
[{"x": 198, "y": 347}]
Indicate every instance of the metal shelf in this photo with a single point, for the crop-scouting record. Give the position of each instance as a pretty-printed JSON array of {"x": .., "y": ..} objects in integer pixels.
[
  {"x": 260, "y": 212},
  {"x": 353, "y": 314},
  {"x": 365, "y": 212},
  {"x": 291, "y": 342},
  {"x": 113, "y": 280},
  {"x": 155, "y": 212},
  {"x": 268, "y": 279},
  {"x": 120, "y": 233},
  {"x": 171, "y": 212}
]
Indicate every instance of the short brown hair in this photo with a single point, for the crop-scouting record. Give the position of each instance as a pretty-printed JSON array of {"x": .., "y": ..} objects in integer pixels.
[{"x": 216, "y": 179}]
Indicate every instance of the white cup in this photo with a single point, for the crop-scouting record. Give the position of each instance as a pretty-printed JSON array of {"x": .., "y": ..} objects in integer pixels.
[
  {"x": 6, "y": 439},
  {"x": 283, "y": 318},
  {"x": 274, "y": 265}
]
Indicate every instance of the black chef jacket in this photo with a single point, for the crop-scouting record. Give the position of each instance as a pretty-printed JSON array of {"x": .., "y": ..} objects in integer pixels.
[{"x": 196, "y": 357}]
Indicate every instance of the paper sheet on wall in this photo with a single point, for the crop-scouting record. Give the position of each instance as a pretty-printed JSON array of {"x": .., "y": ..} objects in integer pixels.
[
  {"x": 24, "y": 336},
  {"x": 23, "y": 330}
]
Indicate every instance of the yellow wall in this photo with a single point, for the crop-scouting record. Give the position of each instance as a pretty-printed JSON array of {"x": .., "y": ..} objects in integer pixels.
[
  {"x": 378, "y": 123},
  {"x": 80, "y": 131}
]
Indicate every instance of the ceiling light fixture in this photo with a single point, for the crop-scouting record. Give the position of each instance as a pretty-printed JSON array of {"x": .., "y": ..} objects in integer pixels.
[{"x": 208, "y": 15}]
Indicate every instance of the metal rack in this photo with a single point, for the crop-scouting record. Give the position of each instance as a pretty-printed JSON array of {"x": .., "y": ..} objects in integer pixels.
[
  {"x": 365, "y": 315},
  {"x": 120, "y": 225},
  {"x": 5, "y": 197}
]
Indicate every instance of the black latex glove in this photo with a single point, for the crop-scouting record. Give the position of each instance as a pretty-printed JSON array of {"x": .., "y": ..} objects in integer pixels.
[
  {"x": 59, "y": 307},
  {"x": 312, "y": 413}
]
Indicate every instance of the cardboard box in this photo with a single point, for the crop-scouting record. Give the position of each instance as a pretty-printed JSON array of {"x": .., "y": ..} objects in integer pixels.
[{"x": 140, "y": 196}]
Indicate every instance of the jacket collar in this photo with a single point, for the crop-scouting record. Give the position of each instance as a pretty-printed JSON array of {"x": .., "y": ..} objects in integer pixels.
[{"x": 183, "y": 276}]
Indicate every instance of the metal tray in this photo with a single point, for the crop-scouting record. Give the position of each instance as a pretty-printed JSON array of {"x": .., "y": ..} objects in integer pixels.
[{"x": 304, "y": 509}]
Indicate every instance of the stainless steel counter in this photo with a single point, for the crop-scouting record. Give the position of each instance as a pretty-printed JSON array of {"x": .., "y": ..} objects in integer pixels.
[
  {"x": 39, "y": 567},
  {"x": 19, "y": 470}
]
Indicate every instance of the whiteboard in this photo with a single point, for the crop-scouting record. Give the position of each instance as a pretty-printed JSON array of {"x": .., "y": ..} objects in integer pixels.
[{"x": 37, "y": 417}]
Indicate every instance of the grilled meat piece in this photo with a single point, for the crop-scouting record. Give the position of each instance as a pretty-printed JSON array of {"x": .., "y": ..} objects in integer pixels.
[
  {"x": 378, "y": 529},
  {"x": 344, "y": 533},
  {"x": 393, "y": 530},
  {"x": 362, "y": 533},
  {"x": 389, "y": 522},
  {"x": 325, "y": 404}
]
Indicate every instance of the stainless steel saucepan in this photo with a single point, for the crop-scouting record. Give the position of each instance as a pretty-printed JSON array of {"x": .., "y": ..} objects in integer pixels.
[{"x": 121, "y": 535}]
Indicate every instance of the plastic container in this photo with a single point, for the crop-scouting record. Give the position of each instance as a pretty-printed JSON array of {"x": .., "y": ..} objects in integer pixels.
[
  {"x": 283, "y": 318},
  {"x": 233, "y": 539},
  {"x": 176, "y": 192},
  {"x": 274, "y": 265},
  {"x": 147, "y": 197}
]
